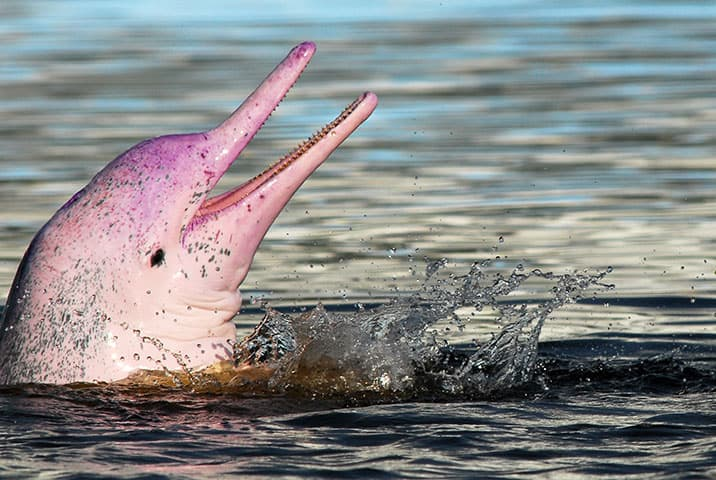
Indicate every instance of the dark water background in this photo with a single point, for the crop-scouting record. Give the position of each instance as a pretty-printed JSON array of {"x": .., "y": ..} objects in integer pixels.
[{"x": 560, "y": 137}]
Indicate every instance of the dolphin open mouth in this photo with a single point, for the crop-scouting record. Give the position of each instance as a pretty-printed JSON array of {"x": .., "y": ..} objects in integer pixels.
[
  {"x": 219, "y": 202},
  {"x": 237, "y": 220}
]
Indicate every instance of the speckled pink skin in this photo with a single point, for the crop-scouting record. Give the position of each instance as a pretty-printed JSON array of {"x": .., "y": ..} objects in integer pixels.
[{"x": 139, "y": 270}]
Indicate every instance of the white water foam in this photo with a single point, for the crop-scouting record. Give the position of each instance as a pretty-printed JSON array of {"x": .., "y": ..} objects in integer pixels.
[{"x": 395, "y": 349}]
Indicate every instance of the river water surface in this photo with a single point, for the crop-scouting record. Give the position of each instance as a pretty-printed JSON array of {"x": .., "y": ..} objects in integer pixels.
[{"x": 575, "y": 139}]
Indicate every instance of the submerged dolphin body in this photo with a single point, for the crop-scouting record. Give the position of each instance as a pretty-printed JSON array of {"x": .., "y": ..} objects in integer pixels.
[{"x": 140, "y": 269}]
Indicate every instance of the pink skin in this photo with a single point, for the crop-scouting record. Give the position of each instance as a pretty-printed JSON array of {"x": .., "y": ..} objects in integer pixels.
[{"x": 140, "y": 270}]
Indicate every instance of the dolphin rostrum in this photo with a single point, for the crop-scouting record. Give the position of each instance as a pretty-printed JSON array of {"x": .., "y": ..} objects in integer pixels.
[{"x": 140, "y": 269}]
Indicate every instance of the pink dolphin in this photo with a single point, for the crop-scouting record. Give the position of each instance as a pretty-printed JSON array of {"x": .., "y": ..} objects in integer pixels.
[{"x": 140, "y": 269}]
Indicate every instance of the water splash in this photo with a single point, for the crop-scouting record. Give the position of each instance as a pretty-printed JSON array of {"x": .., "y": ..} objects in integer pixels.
[{"x": 396, "y": 351}]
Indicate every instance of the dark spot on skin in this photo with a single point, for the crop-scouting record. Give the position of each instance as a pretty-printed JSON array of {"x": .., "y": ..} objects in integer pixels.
[{"x": 157, "y": 258}]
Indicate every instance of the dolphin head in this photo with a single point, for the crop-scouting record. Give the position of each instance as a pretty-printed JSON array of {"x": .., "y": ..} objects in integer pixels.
[{"x": 141, "y": 268}]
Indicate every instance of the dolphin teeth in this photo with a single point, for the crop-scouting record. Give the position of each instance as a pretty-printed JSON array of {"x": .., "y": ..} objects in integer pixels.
[
  {"x": 306, "y": 145},
  {"x": 211, "y": 205}
]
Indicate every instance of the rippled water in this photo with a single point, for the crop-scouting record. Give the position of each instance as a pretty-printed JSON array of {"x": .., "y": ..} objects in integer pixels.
[{"x": 557, "y": 137}]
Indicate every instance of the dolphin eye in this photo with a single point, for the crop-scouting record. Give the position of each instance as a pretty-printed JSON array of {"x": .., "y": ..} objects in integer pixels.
[{"x": 157, "y": 258}]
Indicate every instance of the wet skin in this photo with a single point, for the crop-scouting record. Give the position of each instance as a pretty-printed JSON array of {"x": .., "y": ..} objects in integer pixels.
[{"x": 141, "y": 268}]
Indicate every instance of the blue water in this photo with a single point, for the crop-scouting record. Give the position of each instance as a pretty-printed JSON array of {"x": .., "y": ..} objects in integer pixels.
[{"x": 552, "y": 136}]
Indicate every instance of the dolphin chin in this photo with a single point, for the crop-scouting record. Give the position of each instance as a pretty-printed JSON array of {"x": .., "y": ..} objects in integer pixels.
[{"x": 141, "y": 268}]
